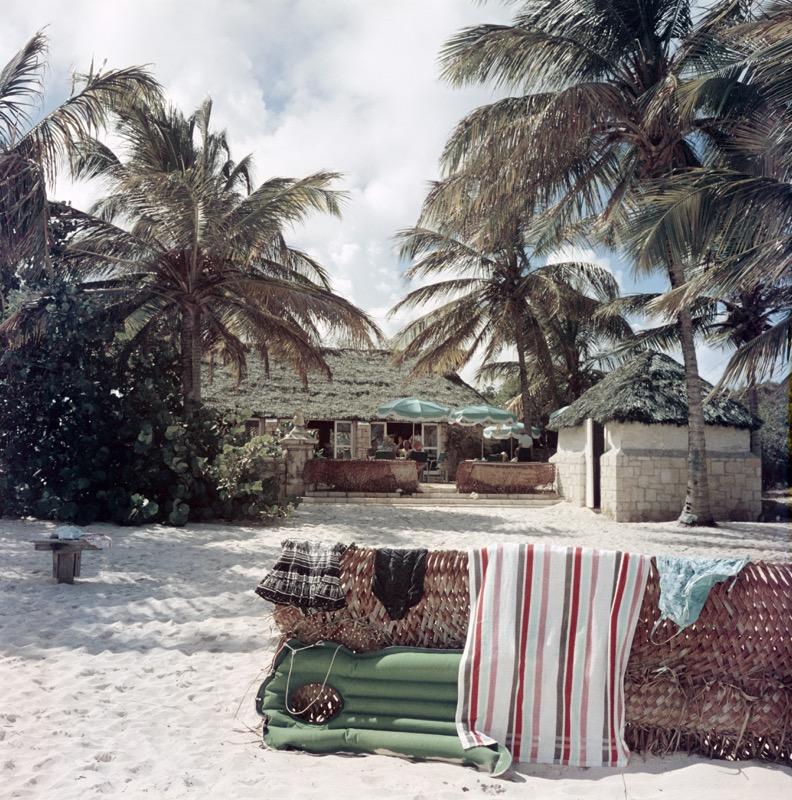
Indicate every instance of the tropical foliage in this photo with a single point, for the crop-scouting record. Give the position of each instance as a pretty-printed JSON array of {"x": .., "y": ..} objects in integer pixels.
[
  {"x": 93, "y": 430},
  {"x": 731, "y": 217},
  {"x": 33, "y": 146},
  {"x": 497, "y": 293},
  {"x": 611, "y": 99},
  {"x": 182, "y": 234},
  {"x": 775, "y": 433}
]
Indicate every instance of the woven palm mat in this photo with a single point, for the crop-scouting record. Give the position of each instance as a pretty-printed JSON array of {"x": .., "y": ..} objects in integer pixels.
[{"x": 722, "y": 687}]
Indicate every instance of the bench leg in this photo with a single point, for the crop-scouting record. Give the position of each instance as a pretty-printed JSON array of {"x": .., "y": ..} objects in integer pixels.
[
  {"x": 64, "y": 566},
  {"x": 77, "y": 563}
]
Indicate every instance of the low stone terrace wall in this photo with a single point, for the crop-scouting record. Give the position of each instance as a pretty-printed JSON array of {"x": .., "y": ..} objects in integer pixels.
[
  {"x": 362, "y": 476},
  {"x": 510, "y": 478}
]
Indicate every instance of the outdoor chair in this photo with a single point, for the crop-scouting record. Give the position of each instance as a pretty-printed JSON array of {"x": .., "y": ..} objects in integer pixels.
[
  {"x": 384, "y": 455},
  {"x": 438, "y": 467}
]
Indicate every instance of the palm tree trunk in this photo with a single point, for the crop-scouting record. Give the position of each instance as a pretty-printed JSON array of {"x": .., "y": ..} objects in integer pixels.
[
  {"x": 525, "y": 392},
  {"x": 191, "y": 353},
  {"x": 545, "y": 360},
  {"x": 753, "y": 407},
  {"x": 697, "y": 502}
]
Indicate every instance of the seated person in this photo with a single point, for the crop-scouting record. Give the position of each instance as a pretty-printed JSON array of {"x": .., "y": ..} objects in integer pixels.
[
  {"x": 525, "y": 443},
  {"x": 417, "y": 453}
]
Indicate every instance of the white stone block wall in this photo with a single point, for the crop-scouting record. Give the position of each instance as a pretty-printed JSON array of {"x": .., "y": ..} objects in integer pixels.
[
  {"x": 645, "y": 485},
  {"x": 570, "y": 475}
]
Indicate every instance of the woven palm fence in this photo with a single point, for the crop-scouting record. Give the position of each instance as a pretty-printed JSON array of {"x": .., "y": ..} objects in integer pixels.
[
  {"x": 489, "y": 478},
  {"x": 362, "y": 476},
  {"x": 722, "y": 687}
]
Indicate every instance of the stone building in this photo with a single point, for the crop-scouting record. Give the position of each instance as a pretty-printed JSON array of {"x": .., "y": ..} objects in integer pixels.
[
  {"x": 622, "y": 446},
  {"x": 341, "y": 410}
]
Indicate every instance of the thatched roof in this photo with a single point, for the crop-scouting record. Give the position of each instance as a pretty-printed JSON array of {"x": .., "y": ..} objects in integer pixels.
[
  {"x": 650, "y": 389},
  {"x": 361, "y": 381}
]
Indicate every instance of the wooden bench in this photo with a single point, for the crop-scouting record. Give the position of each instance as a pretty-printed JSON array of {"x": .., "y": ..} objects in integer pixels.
[{"x": 66, "y": 556}]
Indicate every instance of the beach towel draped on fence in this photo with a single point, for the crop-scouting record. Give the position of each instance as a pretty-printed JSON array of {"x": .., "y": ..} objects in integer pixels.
[
  {"x": 550, "y": 631},
  {"x": 685, "y": 585}
]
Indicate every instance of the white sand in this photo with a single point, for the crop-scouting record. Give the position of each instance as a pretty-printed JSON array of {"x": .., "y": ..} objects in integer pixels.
[{"x": 128, "y": 682}]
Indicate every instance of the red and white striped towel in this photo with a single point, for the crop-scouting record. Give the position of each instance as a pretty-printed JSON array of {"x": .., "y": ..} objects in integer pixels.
[{"x": 549, "y": 637}]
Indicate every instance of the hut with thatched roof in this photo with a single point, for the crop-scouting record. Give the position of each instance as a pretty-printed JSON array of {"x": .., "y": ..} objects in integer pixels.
[
  {"x": 341, "y": 409},
  {"x": 622, "y": 446}
]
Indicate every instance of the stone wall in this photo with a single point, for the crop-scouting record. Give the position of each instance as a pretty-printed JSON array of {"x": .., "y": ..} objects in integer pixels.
[
  {"x": 570, "y": 476},
  {"x": 570, "y": 463},
  {"x": 275, "y": 469},
  {"x": 625, "y": 435},
  {"x": 650, "y": 485}
]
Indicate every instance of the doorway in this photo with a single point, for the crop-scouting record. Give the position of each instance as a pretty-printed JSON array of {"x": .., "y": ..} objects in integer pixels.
[{"x": 597, "y": 449}]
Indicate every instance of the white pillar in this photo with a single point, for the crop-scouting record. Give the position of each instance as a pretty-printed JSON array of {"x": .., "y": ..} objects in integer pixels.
[{"x": 590, "y": 463}]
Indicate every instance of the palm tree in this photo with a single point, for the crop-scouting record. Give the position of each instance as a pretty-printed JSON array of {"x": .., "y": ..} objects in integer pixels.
[
  {"x": 182, "y": 234},
  {"x": 33, "y": 147},
  {"x": 602, "y": 110},
  {"x": 733, "y": 219},
  {"x": 581, "y": 341},
  {"x": 495, "y": 294},
  {"x": 748, "y": 316}
]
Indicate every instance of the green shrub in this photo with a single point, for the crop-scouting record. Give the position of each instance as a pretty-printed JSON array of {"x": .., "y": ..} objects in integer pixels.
[
  {"x": 249, "y": 479},
  {"x": 93, "y": 430}
]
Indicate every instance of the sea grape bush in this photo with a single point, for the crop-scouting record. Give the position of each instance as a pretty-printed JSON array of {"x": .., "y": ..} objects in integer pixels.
[
  {"x": 91, "y": 429},
  {"x": 249, "y": 478}
]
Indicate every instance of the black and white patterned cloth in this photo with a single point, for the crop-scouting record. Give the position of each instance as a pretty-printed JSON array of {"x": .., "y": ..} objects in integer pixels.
[{"x": 307, "y": 575}]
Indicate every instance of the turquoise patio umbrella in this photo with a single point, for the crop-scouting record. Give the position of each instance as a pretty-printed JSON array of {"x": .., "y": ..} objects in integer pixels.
[
  {"x": 413, "y": 409},
  {"x": 481, "y": 415},
  {"x": 510, "y": 431},
  {"x": 505, "y": 431}
]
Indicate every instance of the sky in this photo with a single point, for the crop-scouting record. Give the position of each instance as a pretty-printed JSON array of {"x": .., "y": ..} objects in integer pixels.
[{"x": 304, "y": 85}]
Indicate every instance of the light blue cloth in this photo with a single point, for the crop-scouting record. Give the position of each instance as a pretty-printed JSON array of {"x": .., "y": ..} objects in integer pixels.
[{"x": 685, "y": 584}]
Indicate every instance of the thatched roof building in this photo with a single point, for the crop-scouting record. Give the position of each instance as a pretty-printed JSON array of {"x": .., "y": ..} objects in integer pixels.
[
  {"x": 649, "y": 389},
  {"x": 361, "y": 381}
]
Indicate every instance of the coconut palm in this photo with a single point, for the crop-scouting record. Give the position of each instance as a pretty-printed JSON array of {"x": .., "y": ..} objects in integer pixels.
[
  {"x": 182, "y": 234},
  {"x": 582, "y": 343},
  {"x": 749, "y": 315},
  {"x": 604, "y": 106},
  {"x": 35, "y": 145},
  {"x": 733, "y": 219},
  {"x": 495, "y": 293}
]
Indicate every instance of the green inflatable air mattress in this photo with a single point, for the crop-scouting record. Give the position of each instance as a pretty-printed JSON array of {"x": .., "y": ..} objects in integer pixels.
[{"x": 397, "y": 701}]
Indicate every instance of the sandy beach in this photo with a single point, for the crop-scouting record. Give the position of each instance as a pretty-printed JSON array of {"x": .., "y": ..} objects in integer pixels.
[{"x": 138, "y": 680}]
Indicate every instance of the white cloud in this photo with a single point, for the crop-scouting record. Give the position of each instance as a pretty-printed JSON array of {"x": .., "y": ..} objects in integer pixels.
[{"x": 347, "y": 85}]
